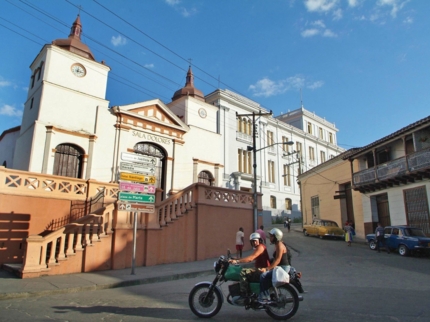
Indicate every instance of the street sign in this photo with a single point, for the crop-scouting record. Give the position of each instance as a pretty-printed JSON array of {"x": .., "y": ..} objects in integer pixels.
[
  {"x": 138, "y": 158},
  {"x": 136, "y": 177},
  {"x": 124, "y": 206},
  {"x": 135, "y": 197},
  {"x": 136, "y": 187},
  {"x": 137, "y": 167}
]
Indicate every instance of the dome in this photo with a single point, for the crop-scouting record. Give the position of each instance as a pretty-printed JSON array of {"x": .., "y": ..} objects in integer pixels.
[{"x": 189, "y": 89}]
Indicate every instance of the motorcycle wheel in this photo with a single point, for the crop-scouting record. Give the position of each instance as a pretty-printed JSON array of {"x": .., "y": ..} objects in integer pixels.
[
  {"x": 288, "y": 303},
  {"x": 201, "y": 304}
]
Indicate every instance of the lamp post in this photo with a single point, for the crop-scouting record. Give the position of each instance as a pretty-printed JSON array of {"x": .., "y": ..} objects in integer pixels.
[{"x": 254, "y": 157}]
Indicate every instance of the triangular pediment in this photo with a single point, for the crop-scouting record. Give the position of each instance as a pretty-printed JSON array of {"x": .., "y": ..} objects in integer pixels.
[{"x": 153, "y": 111}]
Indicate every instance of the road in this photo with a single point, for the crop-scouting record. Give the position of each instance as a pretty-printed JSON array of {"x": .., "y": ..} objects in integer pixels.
[{"x": 342, "y": 283}]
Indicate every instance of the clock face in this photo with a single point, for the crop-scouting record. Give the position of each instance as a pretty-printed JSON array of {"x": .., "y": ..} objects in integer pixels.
[
  {"x": 202, "y": 112},
  {"x": 78, "y": 70}
]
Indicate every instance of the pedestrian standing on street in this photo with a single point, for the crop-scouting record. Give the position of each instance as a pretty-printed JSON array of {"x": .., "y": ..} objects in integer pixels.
[
  {"x": 289, "y": 223},
  {"x": 380, "y": 238},
  {"x": 348, "y": 233},
  {"x": 239, "y": 242},
  {"x": 262, "y": 234}
]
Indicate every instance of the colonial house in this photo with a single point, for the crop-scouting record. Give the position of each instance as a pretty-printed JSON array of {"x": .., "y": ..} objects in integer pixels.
[
  {"x": 327, "y": 194},
  {"x": 393, "y": 175}
]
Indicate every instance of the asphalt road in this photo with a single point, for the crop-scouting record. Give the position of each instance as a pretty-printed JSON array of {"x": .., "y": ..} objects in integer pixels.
[{"x": 342, "y": 283}]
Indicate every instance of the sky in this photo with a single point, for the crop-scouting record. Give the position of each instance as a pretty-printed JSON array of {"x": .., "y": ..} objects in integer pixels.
[{"x": 363, "y": 65}]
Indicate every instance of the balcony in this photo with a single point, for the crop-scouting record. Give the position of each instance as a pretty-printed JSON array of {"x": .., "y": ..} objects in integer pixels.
[{"x": 409, "y": 168}]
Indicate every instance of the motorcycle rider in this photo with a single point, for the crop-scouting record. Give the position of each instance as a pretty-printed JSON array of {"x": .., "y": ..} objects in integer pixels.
[
  {"x": 281, "y": 257},
  {"x": 261, "y": 257}
]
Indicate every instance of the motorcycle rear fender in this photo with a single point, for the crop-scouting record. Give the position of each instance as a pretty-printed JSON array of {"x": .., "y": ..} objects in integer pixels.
[{"x": 209, "y": 284}]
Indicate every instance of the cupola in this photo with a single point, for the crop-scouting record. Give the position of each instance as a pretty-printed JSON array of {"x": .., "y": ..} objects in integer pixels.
[
  {"x": 74, "y": 43},
  {"x": 189, "y": 89}
]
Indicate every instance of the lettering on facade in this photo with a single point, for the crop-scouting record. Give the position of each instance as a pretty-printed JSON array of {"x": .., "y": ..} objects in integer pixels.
[{"x": 150, "y": 137}]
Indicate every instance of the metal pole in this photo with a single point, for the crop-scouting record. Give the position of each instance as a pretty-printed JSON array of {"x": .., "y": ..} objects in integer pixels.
[
  {"x": 133, "y": 260},
  {"x": 254, "y": 150}
]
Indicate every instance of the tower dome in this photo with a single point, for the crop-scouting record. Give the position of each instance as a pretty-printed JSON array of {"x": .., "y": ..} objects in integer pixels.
[
  {"x": 189, "y": 89},
  {"x": 74, "y": 43}
]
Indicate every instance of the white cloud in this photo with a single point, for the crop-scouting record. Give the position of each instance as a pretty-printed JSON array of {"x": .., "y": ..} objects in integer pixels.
[
  {"x": 320, "y": 5},
  {"x": 267, "y": 87},
  {"x": 315, "y": 85},
  {"x": 172, "y": 2},
  {"x": 310, "y": 32},
  {"x": 337, "y": 14},
  {"x": 352, "y": 3},
  {"x": 395, "y": 5},
  {"x": 319, "y": 23},
  {"x": 5, "y": 83},
  {"x": 149, "y": 65},
  {"x": 185, "y": 12},
  {"x": 9, "y": 110},
  {"x": 118, "y": 41},
  {"x": 320, "y": 29},
  {"x": 408, "y": 20},
  {"x": 329, "y": 33}
]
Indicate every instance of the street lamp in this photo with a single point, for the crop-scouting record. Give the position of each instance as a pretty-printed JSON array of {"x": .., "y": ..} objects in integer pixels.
[{"x": 254, "y": 157}]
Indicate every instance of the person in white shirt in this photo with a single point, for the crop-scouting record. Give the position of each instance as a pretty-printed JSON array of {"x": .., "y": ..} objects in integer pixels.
[{"x": 239, "y": 242}]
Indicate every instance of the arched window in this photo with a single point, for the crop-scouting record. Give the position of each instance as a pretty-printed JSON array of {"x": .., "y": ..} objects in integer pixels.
[
  {"x": 206, "y": 177},
  {"x": 149, "y": 149},
  {"x": 68, "y": 161},
  {"x": 288, "y": 204}
]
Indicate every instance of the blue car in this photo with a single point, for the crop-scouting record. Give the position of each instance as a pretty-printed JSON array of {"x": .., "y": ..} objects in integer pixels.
[{"x": 407, "y": 240}]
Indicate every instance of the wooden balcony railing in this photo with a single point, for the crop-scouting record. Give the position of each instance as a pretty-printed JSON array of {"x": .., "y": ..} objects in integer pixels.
[{"x": 399, "y": 167}]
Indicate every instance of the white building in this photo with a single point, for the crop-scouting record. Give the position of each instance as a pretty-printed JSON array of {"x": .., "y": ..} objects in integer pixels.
[{"x": 69, "y": 129}]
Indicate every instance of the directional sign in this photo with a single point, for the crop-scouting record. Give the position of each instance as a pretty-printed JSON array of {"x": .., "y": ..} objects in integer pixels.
[
  {"x": 134, "y": 197},
  {"x": 137, "y": 167},
  {"x": 136, "y": 177},
  {"x": 138, "y": 158},
  {"x": 136, "y": 187},
  {"x": 124, "y": 206}
]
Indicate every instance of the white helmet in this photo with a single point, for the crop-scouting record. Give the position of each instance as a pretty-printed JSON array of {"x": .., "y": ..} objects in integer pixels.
[
  {"x": 277, "y": 233},
  {"x": 254, "y": 236}
]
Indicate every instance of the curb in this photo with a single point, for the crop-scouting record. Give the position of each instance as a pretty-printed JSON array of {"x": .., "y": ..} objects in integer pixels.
[{"x": 95, "y": 287}]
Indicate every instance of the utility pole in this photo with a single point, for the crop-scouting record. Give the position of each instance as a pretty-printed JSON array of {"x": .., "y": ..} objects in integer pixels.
[
  {"x": 254, "y": 159},
  {"x": 299, "y": 161}
]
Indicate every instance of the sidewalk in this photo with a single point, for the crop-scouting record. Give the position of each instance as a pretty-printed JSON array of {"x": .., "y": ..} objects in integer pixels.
[{"x": 14, "y": 287}]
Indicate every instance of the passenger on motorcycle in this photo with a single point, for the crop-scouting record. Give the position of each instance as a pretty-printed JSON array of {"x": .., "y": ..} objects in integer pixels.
[
  {"x": 261, "y": 257},
  {"x": 281, "y": 257}
]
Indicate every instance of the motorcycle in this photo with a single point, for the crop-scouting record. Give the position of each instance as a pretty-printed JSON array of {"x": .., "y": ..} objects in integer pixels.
[{"x": 206, "y": 298}]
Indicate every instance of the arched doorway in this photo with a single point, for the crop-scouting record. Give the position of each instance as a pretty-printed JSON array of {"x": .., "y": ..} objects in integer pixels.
[
  {"x": 206, "y": 177},
  {"x": 68, "y": 160},
  {"x": 160, "y": 155}
]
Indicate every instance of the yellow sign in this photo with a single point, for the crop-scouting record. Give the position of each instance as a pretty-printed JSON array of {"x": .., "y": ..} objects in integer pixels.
[{"x": 137, "y": 177}]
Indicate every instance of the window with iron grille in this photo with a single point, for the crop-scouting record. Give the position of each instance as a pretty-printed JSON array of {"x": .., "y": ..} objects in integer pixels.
[
  {"x": 206, "y": 178},
  {"x": 315, "y": 204},
  {"x": 417, "y": 208},
  {"x": 272, "y": 202},
  {"x": 68, "y": 161},
  {"x": 288, "y": 204}
]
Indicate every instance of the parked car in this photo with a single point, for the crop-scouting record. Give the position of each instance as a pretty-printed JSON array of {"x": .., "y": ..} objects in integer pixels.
[
  {"x": 405, "y": 239},
  {"x": 323, "y": 228}
]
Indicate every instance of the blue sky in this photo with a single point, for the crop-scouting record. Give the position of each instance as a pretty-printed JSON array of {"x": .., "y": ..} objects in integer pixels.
[{"x": 362, "y": 64}]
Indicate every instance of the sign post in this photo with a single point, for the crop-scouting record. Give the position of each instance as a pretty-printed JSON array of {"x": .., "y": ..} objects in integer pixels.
[{"x": 135, "y": 192}]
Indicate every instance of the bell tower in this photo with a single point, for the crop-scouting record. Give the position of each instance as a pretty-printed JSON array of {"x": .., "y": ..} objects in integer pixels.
[{"x": 66, "y": 91}]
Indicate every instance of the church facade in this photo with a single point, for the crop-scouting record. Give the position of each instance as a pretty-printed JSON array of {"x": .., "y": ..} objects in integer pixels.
[{"x": 69, "y": 129}]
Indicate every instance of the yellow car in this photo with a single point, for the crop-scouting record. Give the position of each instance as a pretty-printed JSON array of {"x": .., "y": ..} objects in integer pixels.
[{"x": 323, "y": 228}]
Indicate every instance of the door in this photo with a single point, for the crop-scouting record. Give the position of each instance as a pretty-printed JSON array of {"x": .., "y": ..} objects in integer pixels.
[{"x": 383, "y": 210}]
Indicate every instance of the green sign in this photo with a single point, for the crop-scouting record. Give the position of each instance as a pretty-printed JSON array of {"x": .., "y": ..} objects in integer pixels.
[{"x": 135, "y": 197}]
